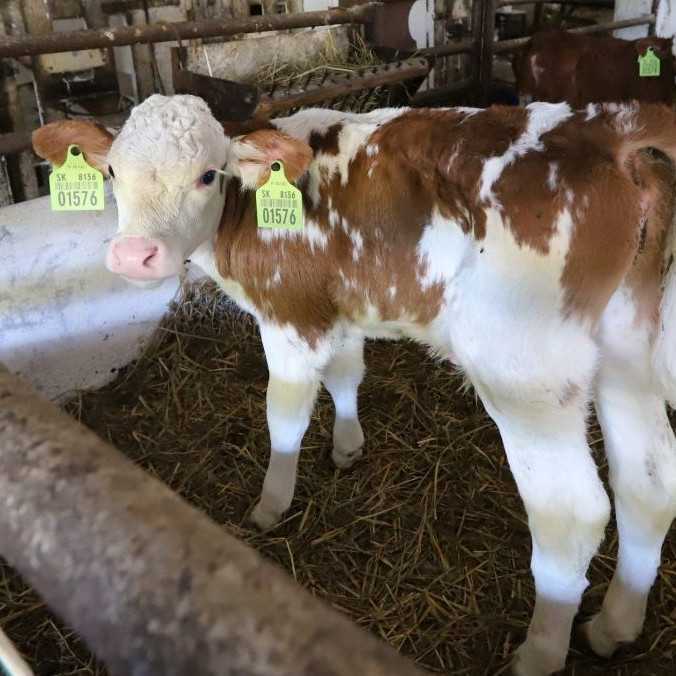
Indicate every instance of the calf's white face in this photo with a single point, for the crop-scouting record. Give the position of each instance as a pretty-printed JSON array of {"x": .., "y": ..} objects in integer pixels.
[{"x": 164, "y": 167}]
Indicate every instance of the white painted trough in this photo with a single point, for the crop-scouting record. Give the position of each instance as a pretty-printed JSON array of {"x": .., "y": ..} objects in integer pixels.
[{"x": 66, "y": 323}]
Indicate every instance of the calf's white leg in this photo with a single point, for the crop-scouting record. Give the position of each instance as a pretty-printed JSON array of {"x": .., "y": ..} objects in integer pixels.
[
  {"x": 342, "y": 377},
  {"x": 641, "y": 452},
  {"x": 533, "y": 369},
  {"x": 11, "y": 661},
  {"x": 294, "y": 378},
  {"x": 568, "y": 510}
]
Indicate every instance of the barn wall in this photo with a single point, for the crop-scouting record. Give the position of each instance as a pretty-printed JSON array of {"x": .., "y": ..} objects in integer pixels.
[
  {"x": 319, "y": 5},
  {"x": 666, "y": 19},
  {"x": 629, "y": 9}
]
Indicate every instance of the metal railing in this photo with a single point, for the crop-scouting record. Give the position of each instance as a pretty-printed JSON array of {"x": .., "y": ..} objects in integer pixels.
[
  {"x": 504, "y": 46},
  {"x": 480, "y": 48},
  {"x": 33, "y": 45}
]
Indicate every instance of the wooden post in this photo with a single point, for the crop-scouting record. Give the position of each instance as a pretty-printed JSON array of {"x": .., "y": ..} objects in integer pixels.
[
  {"x": 537, "y": 16},
  {"x": 37, "y": 15},
  {"x": 15, "y": 117},
  {"x": 143, "y": 60},
  {"x": 477, "y": 9},
  {"x": 441, "y": 69},
  {"x": 653, "y": 10},
  {"x": 94, "y": 15},
  {"x": 483, "y": 32}
]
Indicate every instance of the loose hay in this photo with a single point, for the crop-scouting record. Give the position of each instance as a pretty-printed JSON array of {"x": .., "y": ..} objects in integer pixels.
[
  {"x": 424, "y": 542},
  {"x": 282, "y": 77},
  {"x": 331, "y": 58}
]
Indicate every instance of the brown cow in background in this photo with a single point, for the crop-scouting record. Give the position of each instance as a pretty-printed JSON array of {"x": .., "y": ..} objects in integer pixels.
[{"x": 581, "y": 69}]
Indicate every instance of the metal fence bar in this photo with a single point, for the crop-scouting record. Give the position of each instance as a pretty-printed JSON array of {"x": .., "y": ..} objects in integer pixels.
[
  {"x": 32, "y": 45},
  {"x": 647, "y": 19},
  {"x": 439, "y": 95},
  {"x": 605, "y": 4},
  {"x": 487, "y": 50},
  {"x": 150, "y": 583},
  {"x": 15, "y": 142},
  {"x": 518, "y": 43},
  {"x": 408, "y": 70},
  {"x": 466, "y": 46}
]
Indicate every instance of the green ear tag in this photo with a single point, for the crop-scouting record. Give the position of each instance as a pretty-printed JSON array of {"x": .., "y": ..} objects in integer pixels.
[
  {"x": 278, "y": 203},
  {"x": 75, "y": 186},
  {"x": 649, "y": 64}
]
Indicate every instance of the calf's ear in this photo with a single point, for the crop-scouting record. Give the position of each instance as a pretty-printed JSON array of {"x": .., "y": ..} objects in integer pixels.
[
  {"x": 661, "y": 46},
  {"x": 51, "y": 142},
  {"x": 252, "y": 155}
]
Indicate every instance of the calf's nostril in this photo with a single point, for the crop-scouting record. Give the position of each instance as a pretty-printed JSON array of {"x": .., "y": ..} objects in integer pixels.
[{"x": 147, "y": 261}]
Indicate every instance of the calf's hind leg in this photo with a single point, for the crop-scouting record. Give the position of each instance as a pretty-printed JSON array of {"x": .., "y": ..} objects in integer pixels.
[
  {"x": 641, "y": 452},
  {"x": 567, "y": 509},
  {"x": 539, "y": 403}
]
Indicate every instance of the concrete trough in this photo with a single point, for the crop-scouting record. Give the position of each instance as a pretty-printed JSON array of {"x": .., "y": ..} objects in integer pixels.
[{"x": 66, "y": 323}]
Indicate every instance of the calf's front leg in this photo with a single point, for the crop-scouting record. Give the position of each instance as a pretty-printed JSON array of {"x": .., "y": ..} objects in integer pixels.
[
  {"x": 342, "y": 377},
  {"x": 294, "y": 378}
]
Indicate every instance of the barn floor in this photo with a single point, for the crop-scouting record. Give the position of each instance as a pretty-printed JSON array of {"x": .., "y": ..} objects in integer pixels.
[{"x": 423, "y": 542}]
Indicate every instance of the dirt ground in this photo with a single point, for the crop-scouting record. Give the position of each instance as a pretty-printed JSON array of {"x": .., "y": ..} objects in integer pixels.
[{"x": 423, "y": 542}]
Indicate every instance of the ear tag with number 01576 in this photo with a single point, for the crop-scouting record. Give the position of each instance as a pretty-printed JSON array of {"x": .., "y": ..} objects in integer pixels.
[
  {"x": 649, "y": 64},
  {"x": 75, "y": 186},
  {"x": 278, "y": 203}
]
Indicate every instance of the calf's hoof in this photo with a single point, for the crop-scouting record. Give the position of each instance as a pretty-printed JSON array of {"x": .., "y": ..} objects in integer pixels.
[
  {"x": 348, "y": 442},
  {"x": 263, "y": 517},
  {"x": 345, "y": 460},
  {"x": 598, "y": 637},
  {"x": 534, "y": 661}
]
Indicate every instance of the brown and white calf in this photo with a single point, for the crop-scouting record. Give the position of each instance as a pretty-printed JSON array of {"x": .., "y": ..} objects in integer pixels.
[
  {"x": 581, "y": 69},
  {"x": 531, "y": 247}
]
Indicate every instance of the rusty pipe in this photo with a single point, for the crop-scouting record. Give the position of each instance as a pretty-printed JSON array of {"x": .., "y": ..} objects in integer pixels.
[
  {"x": 53, "y": 43},
  {"x": 151, "y": 584},
  {"x": 15, "y": 142},
  {"x": 519, "y": 43},
  {"x": 410, "y": 69}
]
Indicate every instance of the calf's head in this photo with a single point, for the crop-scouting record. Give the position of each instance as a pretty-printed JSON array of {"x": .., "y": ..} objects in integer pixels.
[{"x": 168, "y": 166}]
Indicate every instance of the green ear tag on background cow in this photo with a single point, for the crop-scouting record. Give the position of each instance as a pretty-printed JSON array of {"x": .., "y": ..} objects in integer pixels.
[
  {"x": 278, "y": 203},
  {"x": 649, "y": 64},
  {"x": 75, "y": 186}
]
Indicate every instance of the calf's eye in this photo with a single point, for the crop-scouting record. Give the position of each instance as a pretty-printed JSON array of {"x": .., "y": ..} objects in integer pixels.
[
  {"x": 208, "y": 177},
  {"x": 111, "y": 173}
]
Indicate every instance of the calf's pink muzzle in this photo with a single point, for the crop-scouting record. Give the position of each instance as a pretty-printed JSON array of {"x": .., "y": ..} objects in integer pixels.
[{"x": 142, "y": 258}]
